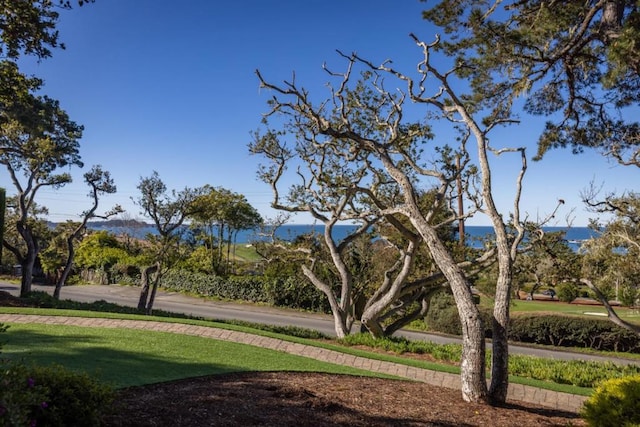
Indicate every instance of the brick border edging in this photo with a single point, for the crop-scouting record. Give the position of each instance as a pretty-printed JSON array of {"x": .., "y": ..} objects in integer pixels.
[{"x": 517, "y": 392}]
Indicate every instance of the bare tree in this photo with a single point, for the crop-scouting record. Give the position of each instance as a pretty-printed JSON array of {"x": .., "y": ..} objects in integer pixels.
[
  {"x": 101, "y": 183},
  {"x": 329, "y": 190},
  {"x": 365, "y": 121},
  {"x": 168, "y": 212},
  {"x": 620, "y": 237}
]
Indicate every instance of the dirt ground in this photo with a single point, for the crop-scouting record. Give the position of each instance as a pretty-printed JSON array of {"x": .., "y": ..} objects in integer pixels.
[{"x": 311, "y": 399}]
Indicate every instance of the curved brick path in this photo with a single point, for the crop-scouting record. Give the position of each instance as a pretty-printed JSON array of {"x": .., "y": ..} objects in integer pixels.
[{"x": 518, "y": 392}]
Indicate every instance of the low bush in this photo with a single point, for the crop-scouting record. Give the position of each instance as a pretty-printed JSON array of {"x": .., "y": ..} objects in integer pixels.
[
  {"x": 443, "y": 316},
  {"x": 400, "y": 345},
  {"x": 290, "y": 292},
  {"x": 50, "y": 396},
  {"x": 232, "y": 288},
  {"x": 577, "y": 372},
  {"x": 567, "y": 292},
  {"x": 614, "y": 403}
]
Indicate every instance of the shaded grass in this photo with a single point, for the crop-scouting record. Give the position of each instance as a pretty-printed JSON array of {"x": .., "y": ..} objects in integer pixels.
[
  {"x": 127, "y": 357},
  {"x": 41, "y": 351},
  {"x": 291, "y": 334}
]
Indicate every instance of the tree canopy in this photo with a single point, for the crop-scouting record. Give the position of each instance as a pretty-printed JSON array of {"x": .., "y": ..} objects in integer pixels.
[{"x": 576, "y": 63}]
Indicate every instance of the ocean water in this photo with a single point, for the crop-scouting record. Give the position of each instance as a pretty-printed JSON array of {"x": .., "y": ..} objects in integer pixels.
[{"x": 574, "y": 235}]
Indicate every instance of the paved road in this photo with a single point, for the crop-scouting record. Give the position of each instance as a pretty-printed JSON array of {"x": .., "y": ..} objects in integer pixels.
[{"x": 177, "y": 303}]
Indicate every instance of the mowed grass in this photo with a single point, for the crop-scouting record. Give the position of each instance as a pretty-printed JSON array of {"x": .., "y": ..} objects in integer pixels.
[
  {"x": 597, "y": 311},
  {"x": 127, "y": 357},
  {"x": 558, "y": 307}
]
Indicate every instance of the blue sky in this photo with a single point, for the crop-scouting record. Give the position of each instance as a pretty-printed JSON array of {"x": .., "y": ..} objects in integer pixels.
[{"x": 170, "y": 86}]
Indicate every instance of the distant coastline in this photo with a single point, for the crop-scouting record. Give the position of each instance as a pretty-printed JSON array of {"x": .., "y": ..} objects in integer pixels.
[{"x": 139, "y": 229}]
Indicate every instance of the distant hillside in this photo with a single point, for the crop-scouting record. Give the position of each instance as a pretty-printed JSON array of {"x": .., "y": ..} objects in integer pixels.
[{"x": 130, "y": 223}]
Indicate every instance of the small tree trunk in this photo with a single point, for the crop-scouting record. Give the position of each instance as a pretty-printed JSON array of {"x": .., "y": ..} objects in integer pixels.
[
  {"x": 472, "y": 366},
  {"x": 67, "y": 268},
  {"x": 154, "y": 290},
  {"x": 144, "y": 292},
  {"x": 27, "y": 270},
  {"x": 473, "y": 379},
  {"x": 27, "y": 278},
  {"x": 500, "y": 338}
]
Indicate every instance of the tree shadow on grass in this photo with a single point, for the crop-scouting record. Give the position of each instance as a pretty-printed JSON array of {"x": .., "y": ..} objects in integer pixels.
[{"x": 92, "y": 354}]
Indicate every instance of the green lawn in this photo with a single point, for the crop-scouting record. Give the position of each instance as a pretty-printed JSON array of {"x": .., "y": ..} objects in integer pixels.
[
  {"x": 596, "y": 311},
  {"x": 523, "y": 306},
  {"x": 125, "y": 357}
]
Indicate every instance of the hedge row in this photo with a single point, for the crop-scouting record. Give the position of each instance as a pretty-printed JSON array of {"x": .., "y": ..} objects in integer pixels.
[
  {"x": 246, "y": 288},
  {"x": 565, "y": 331},
  {"x": 556, "y": 330},
  {"x": 283, "y": 293}
]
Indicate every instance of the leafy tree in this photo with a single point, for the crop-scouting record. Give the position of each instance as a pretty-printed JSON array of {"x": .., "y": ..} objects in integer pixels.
[
  {"x": 168, "y": 210},
  {"x": 52, "y": 259},
  {"x": 546, "y": 259},
  {"x": 36, "y": 138},
  {"x": 222, "y": 214},
  {"x": 577, "y": 63},
  {"x": 336, "y": 189},
  {"x": 29, "y": 26},
  {"x": 612, "y": 259},
  {"x": 100, "y": 250}
]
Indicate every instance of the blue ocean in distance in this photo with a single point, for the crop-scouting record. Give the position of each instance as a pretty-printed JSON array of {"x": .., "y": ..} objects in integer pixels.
[{"x": 574, "y": 235}]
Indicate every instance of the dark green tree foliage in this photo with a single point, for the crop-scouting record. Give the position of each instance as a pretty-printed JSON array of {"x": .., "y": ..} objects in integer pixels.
[
  {"x": 36, "y": 139},
  {"x": 577, "y": 63},
  {"x": 546, "y": 260},
  {"x": 220, "y": 214},
  {"x": 29, "y": 26},
  {"x": 36, "y": 136}
]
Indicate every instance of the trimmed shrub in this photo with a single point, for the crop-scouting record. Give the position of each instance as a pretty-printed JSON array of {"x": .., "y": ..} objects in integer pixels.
[
  {"x": 566, "y": 331},
  {"x": 232, "y": 288},
  {"x": 614, "y": 403},
  {"x": 285, "y": 293}
]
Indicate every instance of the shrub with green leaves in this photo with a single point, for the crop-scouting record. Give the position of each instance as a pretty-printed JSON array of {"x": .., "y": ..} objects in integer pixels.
[
  {"x": 285, "y": 293},
  {"x": 443, "y": 316},
  {"x": 51, "y": 396},
  {"x": 567, "y": 292},
  {"x": 3, "y": 328},
  {"x": 573, "y": 331},
  {"x": 614, "y": 403},
  {"x": 73, "y": 399},
  {"x": 22, "y": 399}
]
